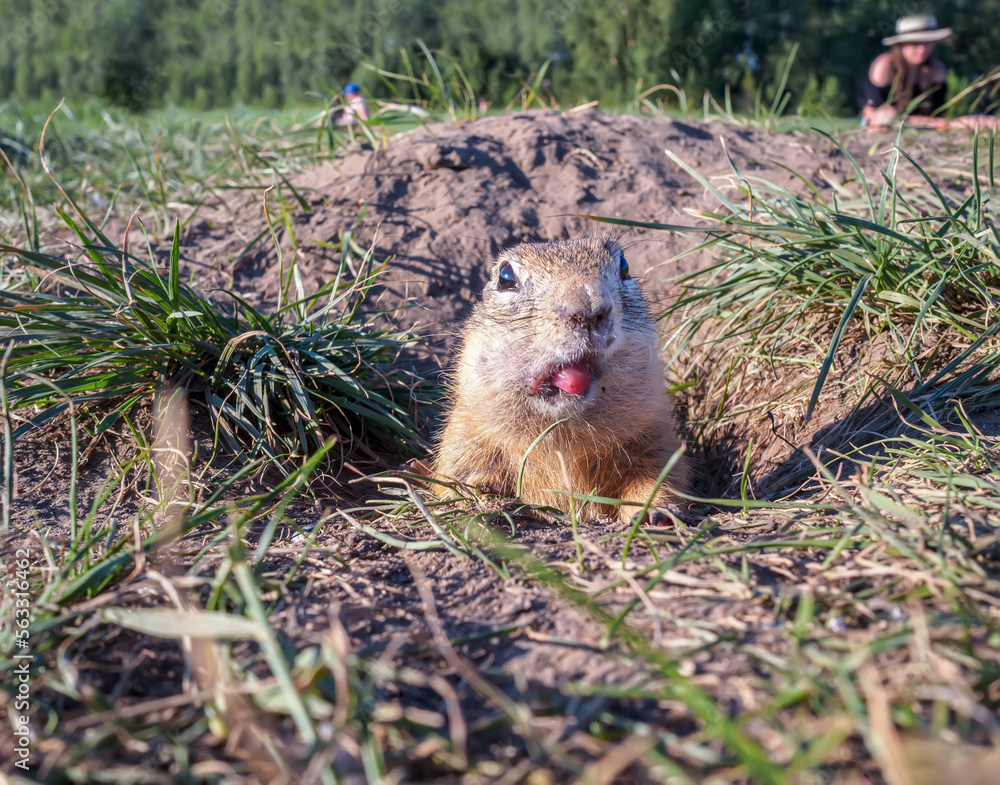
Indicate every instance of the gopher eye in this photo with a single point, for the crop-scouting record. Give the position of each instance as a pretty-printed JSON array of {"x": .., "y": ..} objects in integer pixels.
[
  {"x": 507, "y": 281},
  {"x": 623, "y": 268}
]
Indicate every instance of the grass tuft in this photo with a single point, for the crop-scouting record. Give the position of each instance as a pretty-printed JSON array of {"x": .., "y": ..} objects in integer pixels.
[{"x": 108, "y": 330}]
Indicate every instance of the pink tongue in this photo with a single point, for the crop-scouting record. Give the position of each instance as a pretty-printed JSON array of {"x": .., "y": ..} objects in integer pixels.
[{"x": 573, "y": 379}]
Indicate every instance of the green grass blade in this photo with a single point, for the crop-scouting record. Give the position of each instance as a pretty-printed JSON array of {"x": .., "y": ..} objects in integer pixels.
[{"x": 835, "y": 343}]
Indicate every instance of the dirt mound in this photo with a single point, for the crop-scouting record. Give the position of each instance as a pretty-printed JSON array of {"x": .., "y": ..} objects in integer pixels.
[{"x": 442, "y": 199}]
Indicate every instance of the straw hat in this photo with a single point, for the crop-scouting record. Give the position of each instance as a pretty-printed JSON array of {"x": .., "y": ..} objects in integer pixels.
[{"x": 917, "y": 29}]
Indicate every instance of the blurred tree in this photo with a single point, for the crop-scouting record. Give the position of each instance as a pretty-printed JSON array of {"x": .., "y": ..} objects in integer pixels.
[
  {"x": 612, "y": 44},
  {"x": 129, "y": 63},
  {"x": 140, "y": 53}
]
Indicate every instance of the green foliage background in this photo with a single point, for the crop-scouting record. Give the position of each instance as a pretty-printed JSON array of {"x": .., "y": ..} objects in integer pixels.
[{"x": 202, "y": 53}]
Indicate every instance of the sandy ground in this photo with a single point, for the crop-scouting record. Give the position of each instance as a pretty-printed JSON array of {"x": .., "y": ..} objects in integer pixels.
[{"x": 440, "y": 201}]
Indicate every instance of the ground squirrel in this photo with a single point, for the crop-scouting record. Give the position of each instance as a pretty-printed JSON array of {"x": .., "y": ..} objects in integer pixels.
[{"x": 562, "y": 331}]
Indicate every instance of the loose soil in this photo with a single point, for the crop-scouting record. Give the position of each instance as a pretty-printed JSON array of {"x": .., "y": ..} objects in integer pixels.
[{"x": 440, "y": 201}]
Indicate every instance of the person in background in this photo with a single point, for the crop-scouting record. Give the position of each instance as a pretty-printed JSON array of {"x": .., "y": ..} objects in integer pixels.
[
  {"x": 909, "y": 81},
  {"x": 355, "y": 107}
]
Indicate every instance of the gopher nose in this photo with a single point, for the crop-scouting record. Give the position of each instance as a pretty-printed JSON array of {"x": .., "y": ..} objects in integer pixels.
[
  {"x": 589, "y": 319},
  {"x": 592, "y": 321}
]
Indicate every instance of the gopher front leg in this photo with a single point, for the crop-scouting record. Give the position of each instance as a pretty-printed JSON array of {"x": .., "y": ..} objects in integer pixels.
[
  {"x": 641, "y": 484},
  {"x": 469, "y": 462}
]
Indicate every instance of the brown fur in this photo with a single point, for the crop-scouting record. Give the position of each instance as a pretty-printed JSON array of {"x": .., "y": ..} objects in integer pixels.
[{"x": 570, "y": 303}]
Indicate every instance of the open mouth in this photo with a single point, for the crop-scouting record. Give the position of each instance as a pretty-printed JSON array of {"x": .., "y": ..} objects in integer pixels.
[{"x": 572, "y": 380}]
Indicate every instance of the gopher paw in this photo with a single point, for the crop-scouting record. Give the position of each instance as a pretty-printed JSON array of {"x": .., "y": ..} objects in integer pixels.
[{"x": 659, "y": 517}]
